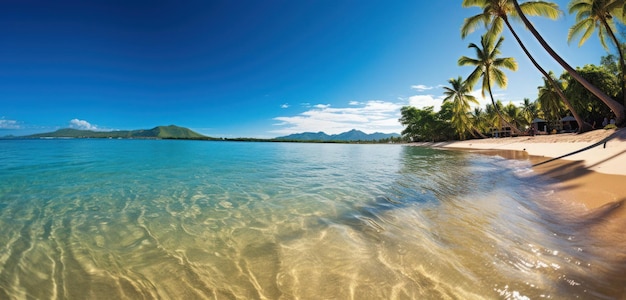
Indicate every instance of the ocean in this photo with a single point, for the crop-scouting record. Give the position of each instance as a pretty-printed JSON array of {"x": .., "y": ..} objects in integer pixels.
[{"x": 165, "y": 219}]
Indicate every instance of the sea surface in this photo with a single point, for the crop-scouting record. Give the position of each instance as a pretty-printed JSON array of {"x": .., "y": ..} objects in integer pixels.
[{"x": 163, "y": 219}]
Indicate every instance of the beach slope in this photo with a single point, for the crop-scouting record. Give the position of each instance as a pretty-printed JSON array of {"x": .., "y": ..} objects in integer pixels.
[{"x": 589, "y": 168}]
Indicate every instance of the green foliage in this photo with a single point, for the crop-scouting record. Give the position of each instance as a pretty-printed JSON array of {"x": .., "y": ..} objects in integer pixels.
[
  {"x": 549, "y": 101},
  {"x": 529, "y": 111},
  {"x": 425, "y": 124},
  {"x": 513, "y": 115},
  {"x": 460, "y": 99},
  {"x": 610, "y": 63},
  {"x": 586, "y": 104},
  {"x": 489, "y": 67},
  {"x": 480, "y": 120},
  {"x": 495, "y": 12},
  {"x": 592, "y": 15}
]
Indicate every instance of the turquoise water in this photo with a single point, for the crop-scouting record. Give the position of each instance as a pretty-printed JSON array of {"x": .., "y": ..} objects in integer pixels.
[{"x": 158, "y": 219}]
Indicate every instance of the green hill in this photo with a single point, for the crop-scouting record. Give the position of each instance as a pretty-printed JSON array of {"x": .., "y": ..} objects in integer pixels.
[
  {"x": 169, "y": 132},
  {"x": 159, "y": 132}
]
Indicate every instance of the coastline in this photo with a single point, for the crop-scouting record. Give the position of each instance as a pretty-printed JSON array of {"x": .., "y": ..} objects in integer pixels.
[{"x": 594, "y": 177}]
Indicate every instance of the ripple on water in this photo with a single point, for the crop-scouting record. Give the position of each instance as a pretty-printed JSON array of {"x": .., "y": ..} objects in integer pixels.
[{"x": 194, "y": 220}]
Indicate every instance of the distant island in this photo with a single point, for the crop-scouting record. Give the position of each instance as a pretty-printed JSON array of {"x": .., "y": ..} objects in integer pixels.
[
  {"x": 181, "y": 133},
  {"x": 349, "y": 136},
  {"x": 159, "y": 132}
]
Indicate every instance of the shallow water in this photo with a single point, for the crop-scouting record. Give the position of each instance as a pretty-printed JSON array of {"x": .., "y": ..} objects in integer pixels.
[{"x": 152, "y": 219}]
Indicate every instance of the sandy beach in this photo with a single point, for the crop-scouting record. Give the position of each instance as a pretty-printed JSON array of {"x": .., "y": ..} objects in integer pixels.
[
  {"x": 590, "y": 168},
  {"x": 589, "y": 171}
]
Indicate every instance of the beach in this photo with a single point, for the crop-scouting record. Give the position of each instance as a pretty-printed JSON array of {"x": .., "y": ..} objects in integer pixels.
[
  {"x": 594, "y": 176},
  {"x": 607, "y": 158},
  {"x": 588, "y": 171}
]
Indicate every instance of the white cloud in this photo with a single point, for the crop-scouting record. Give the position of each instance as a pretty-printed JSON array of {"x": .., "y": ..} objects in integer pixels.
[
  {"x": 285, "y": 105},
  {"x": 421, "y": 87},
  {"x": 421, "y": 101},
  {"x": 82, "y": 124},
  {"x": 9, "y": 124},
  {"x": 369, "y": 117}
]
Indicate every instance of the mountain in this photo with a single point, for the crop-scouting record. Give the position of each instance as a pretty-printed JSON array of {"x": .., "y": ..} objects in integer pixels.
[
  {"x": 160, "y": 132},
  {"x": 306, "y": 136},
  {"x": 349, "y": 136}
]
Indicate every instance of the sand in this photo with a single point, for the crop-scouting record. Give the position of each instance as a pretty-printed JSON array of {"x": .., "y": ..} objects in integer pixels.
[{"x": 590, "y": 169}]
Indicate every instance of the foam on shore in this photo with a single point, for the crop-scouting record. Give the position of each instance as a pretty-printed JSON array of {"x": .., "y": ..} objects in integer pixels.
[{"x": 590, "y": 169}]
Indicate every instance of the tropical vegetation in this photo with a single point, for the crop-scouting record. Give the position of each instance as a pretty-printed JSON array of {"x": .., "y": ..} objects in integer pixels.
[
  {"x": 589, "y": 94},
  {"x": 459, "y": 95},
  {"x": 488, "y": 67}
]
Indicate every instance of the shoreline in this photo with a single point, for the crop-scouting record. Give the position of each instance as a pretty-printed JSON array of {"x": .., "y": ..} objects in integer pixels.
[{"x": 588, "y": 168}]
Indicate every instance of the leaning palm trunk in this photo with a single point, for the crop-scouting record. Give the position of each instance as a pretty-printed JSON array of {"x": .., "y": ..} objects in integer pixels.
[
  {"x": 476, "y": 133},
  {"x": 616, "y": 107},
  {"x": 621, "y": 57},
  {"x": 582, "y": 125}
]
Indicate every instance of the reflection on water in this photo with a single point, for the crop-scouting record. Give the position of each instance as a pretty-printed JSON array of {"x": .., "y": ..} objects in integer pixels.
[{"x": 87, "y": 219}]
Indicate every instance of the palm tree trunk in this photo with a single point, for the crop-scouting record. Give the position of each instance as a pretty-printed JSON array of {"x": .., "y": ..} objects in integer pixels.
[
  {"x": 513, "y": 128},
  {"x": 621, "y": 57},
  {"x": 476, "y": 133},
  {"x": 616, "y": 107},
  {"x": 582, "y": 126}
]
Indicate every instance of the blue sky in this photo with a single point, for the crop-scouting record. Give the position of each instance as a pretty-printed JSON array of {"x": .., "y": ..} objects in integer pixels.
[{"x": 244, "y": 68}]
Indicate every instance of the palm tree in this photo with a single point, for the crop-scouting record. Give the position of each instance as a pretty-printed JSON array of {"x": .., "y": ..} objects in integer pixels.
[
  {"x": 491, "y": 115},
  {"x": 529, "y": 111},
  {"x": 616, "y": 107},
  {"x": 488, "y": 67},
  {"x": 492, "y": 118},
  {"x": 548, "y": 100},
  {"x": 497, "y": 12},
  {"x": 597, "y": 14},
  {"x": 459, "y": 95},
  {"x": 480, "y": 122},
  {"x": 513, "y": 114}
]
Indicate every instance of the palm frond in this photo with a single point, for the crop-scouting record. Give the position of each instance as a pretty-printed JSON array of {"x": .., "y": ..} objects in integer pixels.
[
  {"x": 472, "y": 23},
  {"x": 471, "y": 98},
  {"x": 541, "y": 9},
  {"x": 470, "y": 3},
  {"x": 602, "y": 33},
  {"x": 579, "y": 5},
  {"x": 499, "y": 78},
  {"x": 474, "y": 77},
  {"x": 497, "y": 25},
  {"x": 467, "y": 61},
  {"x": 506, "y": 62},
  {"x": 582, "y": 29}
]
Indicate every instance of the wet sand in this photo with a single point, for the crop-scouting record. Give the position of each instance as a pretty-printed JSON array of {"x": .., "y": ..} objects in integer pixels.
[
  {"x": 588, "y": 175},
  {"x": 589, "y": 168}
]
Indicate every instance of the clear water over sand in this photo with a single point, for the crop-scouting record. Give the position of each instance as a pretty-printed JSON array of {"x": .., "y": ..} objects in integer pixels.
[{"x": 151, "y": 219}]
